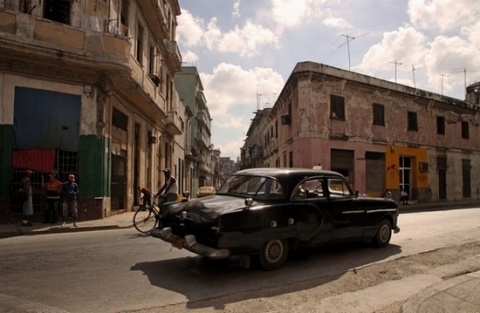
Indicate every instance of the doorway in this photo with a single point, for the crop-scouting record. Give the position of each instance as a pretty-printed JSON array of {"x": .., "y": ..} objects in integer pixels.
[{"x": 405, "y": 173}]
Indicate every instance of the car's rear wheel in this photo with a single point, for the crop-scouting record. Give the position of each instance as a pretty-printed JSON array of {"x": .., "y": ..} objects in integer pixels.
[
  {"x": 273, "y": 254},
  {"x": 383, "y": 235}
]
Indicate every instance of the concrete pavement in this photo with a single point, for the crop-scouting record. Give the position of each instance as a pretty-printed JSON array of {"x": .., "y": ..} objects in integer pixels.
[{"x": 460, "y": 293}]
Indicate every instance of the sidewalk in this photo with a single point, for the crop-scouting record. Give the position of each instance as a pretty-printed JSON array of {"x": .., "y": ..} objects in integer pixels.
[{"x": 116, "y": 221}]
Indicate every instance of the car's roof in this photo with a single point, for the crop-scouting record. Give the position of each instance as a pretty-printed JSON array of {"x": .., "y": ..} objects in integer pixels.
[{"x": 286, "y": 171}]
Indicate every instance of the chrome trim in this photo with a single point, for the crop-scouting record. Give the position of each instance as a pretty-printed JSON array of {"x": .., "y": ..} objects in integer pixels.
[{"x": 190, "y": 243}]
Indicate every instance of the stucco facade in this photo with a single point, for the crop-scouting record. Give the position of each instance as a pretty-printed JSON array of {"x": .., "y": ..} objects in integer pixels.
[
  {"x": 198, "y": 152},
  {"x": 108, "y": 66},
  {"x": 381, "y": 135}
]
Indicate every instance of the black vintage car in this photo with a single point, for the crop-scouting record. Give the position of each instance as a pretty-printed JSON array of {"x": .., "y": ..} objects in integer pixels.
[{"x": 266, "y": 212}]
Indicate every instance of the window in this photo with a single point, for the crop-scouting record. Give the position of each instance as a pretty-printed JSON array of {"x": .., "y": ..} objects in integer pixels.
[
  {"x": 412, "y": 121},
  {"x": 440, "y": 125},
  {"x": 378, "y": 114},
  {"x": 139, "y": 51},
  {"x": 58, "y": 11},
  {"x": 338, "y": 187},
  {"x": 309, "y": 189},
  {"x": 337, "y": 107},
  {"x": 151, "y": 60},
  {"x": 465, "y": 133}
]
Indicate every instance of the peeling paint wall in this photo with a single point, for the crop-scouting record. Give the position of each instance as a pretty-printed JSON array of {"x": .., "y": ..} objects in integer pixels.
[{"x": 313, "y": 133}]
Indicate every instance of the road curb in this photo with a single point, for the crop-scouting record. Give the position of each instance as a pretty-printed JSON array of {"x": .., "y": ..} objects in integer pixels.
[{"x": 58, "y": 230}]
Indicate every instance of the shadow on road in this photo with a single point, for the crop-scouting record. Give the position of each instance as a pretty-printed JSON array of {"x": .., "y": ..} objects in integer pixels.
[{"x": 208, "y": 283}]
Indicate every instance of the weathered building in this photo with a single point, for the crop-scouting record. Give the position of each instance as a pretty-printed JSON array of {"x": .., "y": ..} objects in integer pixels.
[
  {"x": 198, "y": 149},
  {"x": 380, "y": 135},
  {"x": 87, "y": 87},
  {"x": 252, "y": 154}
]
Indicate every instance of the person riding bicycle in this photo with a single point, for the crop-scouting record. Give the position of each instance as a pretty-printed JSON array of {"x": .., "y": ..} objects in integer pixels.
[
  {"x": 169, "y": 190},
  {"x": 147, "y": 196}
]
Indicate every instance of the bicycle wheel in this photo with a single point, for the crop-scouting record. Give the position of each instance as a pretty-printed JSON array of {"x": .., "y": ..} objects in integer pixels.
[{"x": 144, "y": 220}]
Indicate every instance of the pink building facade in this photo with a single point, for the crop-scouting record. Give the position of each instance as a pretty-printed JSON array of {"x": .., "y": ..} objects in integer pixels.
[{"x": 381, "y": 135}]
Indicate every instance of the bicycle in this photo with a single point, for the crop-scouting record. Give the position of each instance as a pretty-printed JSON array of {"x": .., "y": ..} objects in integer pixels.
[{"x": 147, "y": 217}]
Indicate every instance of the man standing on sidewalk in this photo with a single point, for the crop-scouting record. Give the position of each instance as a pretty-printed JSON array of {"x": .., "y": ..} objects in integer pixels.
[
  {"x": 70, "y": 192},
  {"x": 52, "y": 187}
]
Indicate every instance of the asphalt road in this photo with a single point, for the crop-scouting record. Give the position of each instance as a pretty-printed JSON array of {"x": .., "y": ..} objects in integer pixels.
[{"x": 123, "y": 271}]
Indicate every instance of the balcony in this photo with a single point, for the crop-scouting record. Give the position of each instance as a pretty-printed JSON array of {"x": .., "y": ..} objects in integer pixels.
[
  {"x": 202, "y": 140},
  {"x": 202, "y": 119},
  {"x": 174, "y": 58},
  {"x": 56, "y": 44},
  {"x": 154, "y": 12},
  {"x": 173, "y": 124},
  {"x": 200, "y": 158},
  {"x": 201, "y": 100}
]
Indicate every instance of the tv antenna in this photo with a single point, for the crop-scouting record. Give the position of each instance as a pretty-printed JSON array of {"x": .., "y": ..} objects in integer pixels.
[
  {"x": 444, "y": 75},
  {"x": 413, "y": 74},
  {"x": 350, "y": 38},
  {"x": 396, "y": 64}
]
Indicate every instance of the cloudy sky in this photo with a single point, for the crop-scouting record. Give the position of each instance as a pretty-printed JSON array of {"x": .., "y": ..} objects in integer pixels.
[{"x": 245, "y": 50}]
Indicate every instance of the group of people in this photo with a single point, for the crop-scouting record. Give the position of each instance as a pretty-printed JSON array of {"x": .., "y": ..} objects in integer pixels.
[{"x": 54, "y": 190}]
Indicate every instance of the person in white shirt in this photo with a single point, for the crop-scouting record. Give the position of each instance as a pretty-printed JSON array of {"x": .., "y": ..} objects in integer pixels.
[{"x": 170, "y": 189}]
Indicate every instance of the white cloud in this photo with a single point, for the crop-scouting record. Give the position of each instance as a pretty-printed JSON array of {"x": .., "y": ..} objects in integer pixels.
[
  {"x": 189, "y": 57},
  {"x": 247, "y": 41},
  {"x": 236, "y": 9},
  {"x": 232, "y": 148},
  {"x": 231, "y": 93},
  {"x": 289, "y": 13},
  {"x": 445, "y": 15},
  {"x": 189, "y": 29},
  {"x": 447, "y": 59},
  {"x": 230, "y": 85},
  {"x": 337, "y": 22},
  {"x": 405, "y": 45}
]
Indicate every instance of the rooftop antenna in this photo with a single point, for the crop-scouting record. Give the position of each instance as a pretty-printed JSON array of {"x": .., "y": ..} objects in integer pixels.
[
  {"x": 350, "y": 38},
  {"x": 259, "y": 96},
  {"x": 413, "y": 74},
  {"x": 442, "y": 79},
  {"x": 396, "y": 63}
]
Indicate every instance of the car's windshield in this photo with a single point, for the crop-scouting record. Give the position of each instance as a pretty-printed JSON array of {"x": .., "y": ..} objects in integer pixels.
[{"x": 258, "y": 187}]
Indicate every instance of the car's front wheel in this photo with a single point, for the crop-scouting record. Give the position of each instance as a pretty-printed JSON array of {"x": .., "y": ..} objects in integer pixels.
[
  {"x": 383, "y": 235},
  {"x": 273, "y": 254}
]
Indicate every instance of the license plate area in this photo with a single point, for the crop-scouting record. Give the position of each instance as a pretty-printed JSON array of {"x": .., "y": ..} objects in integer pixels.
[{"x": 178, "y": 243}]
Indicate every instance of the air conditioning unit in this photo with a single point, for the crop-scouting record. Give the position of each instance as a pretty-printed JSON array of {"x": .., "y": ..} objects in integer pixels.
[
  {"x": 286, "y": 120},
  {"x": 423, "y": 166}
]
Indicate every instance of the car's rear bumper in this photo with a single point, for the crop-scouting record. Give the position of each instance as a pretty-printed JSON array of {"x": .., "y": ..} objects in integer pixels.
[{"x": 190, "y": 243}]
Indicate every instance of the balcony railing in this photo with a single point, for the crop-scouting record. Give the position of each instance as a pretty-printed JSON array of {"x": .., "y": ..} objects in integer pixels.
[
  {"x": 78, "y": 46},
  {"x": 174, "y": 58},
  {"x": 202, "y": 118}
]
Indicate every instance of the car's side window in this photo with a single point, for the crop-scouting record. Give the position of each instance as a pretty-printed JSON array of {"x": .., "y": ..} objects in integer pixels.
[
  {"x": 309, "y": 189},
  {"x": 338, "y": 187},
  {"x": 271, "y": 189}
]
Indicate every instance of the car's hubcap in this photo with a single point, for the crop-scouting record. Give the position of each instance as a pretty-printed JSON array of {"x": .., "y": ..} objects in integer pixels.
[
  {"x": 384, "y": 233},
  {"x": 274, "y": 251}
]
